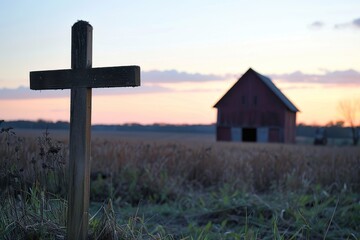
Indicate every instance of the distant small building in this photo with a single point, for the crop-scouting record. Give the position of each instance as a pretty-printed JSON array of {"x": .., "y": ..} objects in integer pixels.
[
  {"x": 320, "y": 136},
  {"x": 255, "y": 110}
]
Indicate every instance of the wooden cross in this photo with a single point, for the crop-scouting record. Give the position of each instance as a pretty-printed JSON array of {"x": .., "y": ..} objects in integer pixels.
[{"x": 81, "y": 78}]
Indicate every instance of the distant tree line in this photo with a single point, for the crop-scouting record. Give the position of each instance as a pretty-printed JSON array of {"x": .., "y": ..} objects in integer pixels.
[
  {"x": 199, "y": 128},
  {"x": 61, "y": 125},
  {"x": 39, "y": 124},
  {"x": 334, "y": 129}
]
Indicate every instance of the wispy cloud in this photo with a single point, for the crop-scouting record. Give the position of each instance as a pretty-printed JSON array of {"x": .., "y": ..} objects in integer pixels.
[
  {"x": 347, "y": 77},
  {"x": 150, "y": 83},
  {"x": 26, "y": 93},
  {"x": 353, "y": 24},
  {"x": 174, "y": 76},
  {"x": 356, "y": 22},
  {"x": 317, "y": 25}
]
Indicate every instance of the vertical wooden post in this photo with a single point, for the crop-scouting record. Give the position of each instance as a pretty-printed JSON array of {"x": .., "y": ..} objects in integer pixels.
[
  {"x": 80, "y": 79},
  {"x": 80, "y": 136}
]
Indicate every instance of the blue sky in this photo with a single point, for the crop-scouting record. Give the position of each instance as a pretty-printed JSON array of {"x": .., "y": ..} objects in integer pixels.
[{"x": 186, "y": 42}]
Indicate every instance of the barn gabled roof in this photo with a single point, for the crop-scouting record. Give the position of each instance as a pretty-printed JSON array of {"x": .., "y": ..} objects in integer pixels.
[{"x": 267, "y": 81}]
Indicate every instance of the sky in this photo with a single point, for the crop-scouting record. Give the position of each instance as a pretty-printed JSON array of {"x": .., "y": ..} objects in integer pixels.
[{"x": 190, "y": 54}]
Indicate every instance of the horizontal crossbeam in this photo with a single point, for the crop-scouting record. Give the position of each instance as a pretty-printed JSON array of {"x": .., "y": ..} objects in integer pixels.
[{"x": 128, "y": 76}]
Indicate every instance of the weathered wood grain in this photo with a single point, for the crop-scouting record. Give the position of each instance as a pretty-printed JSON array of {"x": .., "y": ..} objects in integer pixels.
[
  {"x": 125, "y": 76},
  {"x": 80, "y": 137},
  {"x": 81, "y": 78}
]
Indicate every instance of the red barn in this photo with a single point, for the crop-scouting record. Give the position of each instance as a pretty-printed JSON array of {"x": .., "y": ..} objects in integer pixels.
[{"x": 255, "y": 110}]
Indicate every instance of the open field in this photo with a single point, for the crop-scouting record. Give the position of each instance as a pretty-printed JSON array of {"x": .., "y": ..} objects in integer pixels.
[{"x": 182, "y": 186}]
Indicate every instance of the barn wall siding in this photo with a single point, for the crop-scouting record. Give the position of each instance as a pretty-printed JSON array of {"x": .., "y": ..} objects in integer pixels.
[
  {"x": 223, "y": 134},
  {"x": 250, "y": 103},
  {"x": 290, "y": 128}
]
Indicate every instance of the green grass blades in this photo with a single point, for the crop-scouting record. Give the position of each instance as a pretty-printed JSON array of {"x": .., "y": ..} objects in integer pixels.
[{"x": 180, "y": 190}]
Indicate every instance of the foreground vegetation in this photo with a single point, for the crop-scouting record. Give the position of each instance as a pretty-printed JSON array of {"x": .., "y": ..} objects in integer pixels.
[{"x": 183, "y": 190}]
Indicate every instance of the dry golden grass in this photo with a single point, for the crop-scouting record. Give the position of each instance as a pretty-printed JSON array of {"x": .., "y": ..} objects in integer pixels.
[
  {"x": 251, "y": 167},
  {"x": 206, "y": 183},
  {"x": 162, "y": 162}
]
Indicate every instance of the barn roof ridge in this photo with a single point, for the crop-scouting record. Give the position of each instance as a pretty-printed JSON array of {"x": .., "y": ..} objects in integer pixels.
[{"x": 267, "y": 81}]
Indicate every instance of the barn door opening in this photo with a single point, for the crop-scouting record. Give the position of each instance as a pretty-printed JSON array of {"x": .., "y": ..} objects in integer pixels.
[{"x": 249, "y": 134}]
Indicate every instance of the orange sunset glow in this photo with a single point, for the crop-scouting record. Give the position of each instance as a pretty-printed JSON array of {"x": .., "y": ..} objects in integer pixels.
[
  {"x": 318, "y": 105},
  {"x": 187, "y": 64}
]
